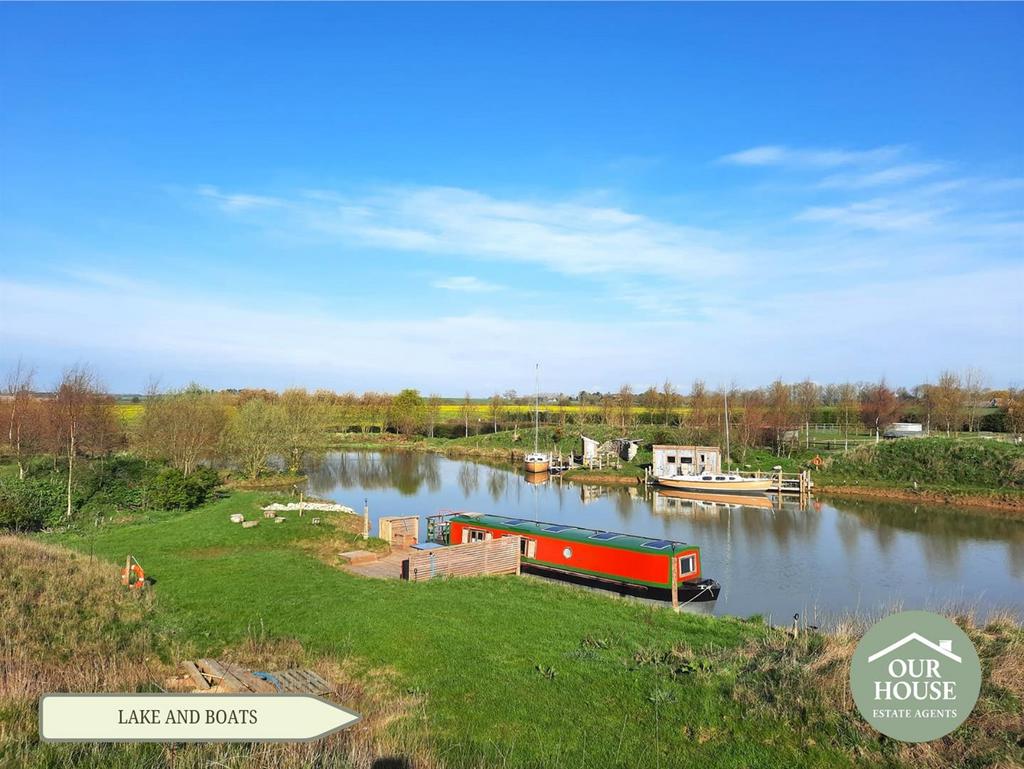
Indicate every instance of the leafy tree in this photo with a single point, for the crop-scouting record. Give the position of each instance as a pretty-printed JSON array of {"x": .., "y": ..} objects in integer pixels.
[
  {"x": 253, "y": 434},
  {"x": 303, "y": 421},
  {"x": 407, "y": 411}
]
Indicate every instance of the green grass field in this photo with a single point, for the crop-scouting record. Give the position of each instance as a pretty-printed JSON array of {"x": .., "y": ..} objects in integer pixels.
[
  {"x": 502, "y": 671},
  {"x": 516, "y": 672}
]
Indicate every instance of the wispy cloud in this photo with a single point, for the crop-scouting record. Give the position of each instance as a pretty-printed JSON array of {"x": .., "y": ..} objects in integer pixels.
[
  {"x": 878, "y": 214},
  {"x": 571, "y": 237},
  {"x": 777, "y": 155},
  {"x": 893, "y": 175},
  {"x": 239, "y": 201},
  {"x": 467, "y": 283}
]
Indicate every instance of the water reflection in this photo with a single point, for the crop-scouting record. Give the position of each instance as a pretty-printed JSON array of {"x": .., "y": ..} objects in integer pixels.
[{"x": 771, "y": 559}]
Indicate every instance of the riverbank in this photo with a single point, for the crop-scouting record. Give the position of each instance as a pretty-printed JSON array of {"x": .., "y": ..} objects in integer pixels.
[
  {"x": 1008, "y": 504},
  {"x": 430, "y": 663}
]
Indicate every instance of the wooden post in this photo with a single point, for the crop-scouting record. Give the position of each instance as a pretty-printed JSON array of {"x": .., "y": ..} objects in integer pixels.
[
  {"x": 366, "y": 519},
  {"x": 675, "y": 584},
  {"x": 300, "y": 504},
  {"x": 780, "y": 485},
  {"x": 127, "y": 578}
]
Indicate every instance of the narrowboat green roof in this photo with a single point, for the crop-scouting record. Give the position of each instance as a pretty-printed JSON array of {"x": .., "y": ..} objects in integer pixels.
[{"x": 612, "y": 539}]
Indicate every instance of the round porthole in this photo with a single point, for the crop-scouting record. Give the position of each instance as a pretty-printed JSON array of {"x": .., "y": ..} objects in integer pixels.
[{"x": 567, "y": 552}]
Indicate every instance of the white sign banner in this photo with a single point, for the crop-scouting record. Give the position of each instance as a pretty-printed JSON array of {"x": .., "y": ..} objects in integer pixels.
[{"x": 188, "y": 717}]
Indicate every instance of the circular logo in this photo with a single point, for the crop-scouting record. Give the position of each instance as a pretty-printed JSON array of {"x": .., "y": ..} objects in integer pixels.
[{"x": 915, "y": 676}]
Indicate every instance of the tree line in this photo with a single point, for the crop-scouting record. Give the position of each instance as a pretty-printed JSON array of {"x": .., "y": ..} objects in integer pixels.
[{"x": 246, "y": 428}]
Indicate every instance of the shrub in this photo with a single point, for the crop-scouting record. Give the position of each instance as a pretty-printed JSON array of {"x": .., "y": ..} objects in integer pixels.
[
  {"x": 31, "y": 504},
  {"x": 173, "y": 490}
]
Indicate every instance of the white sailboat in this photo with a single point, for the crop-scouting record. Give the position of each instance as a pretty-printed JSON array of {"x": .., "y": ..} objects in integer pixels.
[{"x": 537, "y": 461}]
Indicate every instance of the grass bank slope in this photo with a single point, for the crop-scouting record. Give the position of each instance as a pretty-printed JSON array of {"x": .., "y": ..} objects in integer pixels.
[
  {"x": 951, "y": 470},
  {"x": 69, "y": 626},
  {"x": 510, "y": 672}
]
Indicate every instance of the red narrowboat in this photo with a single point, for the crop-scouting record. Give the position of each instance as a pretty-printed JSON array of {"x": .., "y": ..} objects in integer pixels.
[{"x": 606, "y": 556}]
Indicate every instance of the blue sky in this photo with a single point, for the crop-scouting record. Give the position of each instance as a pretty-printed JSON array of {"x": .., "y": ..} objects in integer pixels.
[{"x": 377, "y": 196}]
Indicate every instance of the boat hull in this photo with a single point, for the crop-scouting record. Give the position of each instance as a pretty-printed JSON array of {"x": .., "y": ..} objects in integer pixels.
[
  {"x": 746, "y": 486},
  {"x": 537, "y": 467}
]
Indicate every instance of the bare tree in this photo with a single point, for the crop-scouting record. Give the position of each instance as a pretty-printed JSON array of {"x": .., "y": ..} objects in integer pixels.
[
  {"x": 878, "y": 407},
  {"x": 466, "y": 411},
  {"x": 495, "y": 409},
  {"x": 806, "y": 397},
  {"x": 702, "y": 411},
  {"x": 624, "y": 406},
  {"x": 779, "y": 412},
  {"x": 182, "y": 426},
  {"x": 946, "y": 401},
  {"x": 1015, "y": 412},
  {"x": 23, "y": 419},
  {"x": 974, "y": 389},
  {"x": 747, "y": 430},
  {"x": 77, "y": 395},
  {"x": 669, "y": 402},
  {"x": 847, "y": 409},
  {"x": 433, "y": 412}
]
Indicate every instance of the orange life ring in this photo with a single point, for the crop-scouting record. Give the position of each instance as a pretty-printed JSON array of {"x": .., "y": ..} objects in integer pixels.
[
  {"x": 140, "y": 576},
  {"x": 817, "y": 461}
]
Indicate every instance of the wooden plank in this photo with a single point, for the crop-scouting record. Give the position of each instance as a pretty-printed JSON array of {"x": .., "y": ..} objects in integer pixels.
[
  {"x": 251, "y": 682},
  {"x": 225, "y": 680},
  {"x": 195, "y": 675}
]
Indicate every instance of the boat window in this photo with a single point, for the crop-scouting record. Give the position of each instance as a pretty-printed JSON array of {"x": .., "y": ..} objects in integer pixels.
[
  {"x": 479, "y": 535},
  {"x": 687, "y": 564},
  {"x": 527, "y": 547},
  {"x": 567, "y": 553},
  {"x": 719, "y": 477},
  {"x": 657, "y": 544},
  {"x": 706, "y": 478},
  {"x": 604, "y": 535}
]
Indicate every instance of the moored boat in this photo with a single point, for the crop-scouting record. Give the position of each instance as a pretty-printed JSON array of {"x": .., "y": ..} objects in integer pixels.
[
  {"x": 602, "y": 556},
  {"x": 723, "y": 483},
  {"x": 537, "y": 461}
]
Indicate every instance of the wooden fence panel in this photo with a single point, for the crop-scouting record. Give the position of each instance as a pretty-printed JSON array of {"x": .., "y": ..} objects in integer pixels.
[
  {"x": 493, "y": 556},
  {"x": 399, "y": 530}
]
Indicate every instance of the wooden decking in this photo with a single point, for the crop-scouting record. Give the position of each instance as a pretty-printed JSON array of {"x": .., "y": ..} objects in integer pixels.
[{"x": 387, "y": 567}]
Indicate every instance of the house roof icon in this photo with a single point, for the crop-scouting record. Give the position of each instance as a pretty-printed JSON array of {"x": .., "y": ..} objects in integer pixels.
[{"x": 942, "y": 647}]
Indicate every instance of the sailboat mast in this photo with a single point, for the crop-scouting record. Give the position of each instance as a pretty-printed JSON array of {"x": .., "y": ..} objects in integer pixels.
[
  {"x": 536, "y": 405},
  {"x": 728, "y": 453}
]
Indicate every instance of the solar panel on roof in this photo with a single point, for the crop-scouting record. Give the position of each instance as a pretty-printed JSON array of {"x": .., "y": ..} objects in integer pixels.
[
  {"x": 604, "y": 535},
  {"x": 556, "y": 528},
  {"x": 657, "y": 544},
  {"x": 514, "y": 522}
]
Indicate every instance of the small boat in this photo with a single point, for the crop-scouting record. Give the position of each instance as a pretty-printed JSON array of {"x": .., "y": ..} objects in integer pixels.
[
  {"x": 537, "y": 461},
  {"x": 536, "y": 478},
  {"x": 604, "y": 558},
  {"x": 723, "y": 483}
]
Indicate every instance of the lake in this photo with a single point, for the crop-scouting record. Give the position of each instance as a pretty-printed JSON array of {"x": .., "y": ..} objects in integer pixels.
[{"x": 831, "y": 558}]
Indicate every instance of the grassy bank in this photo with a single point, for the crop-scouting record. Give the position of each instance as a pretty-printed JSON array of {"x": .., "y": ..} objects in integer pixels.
[
  {"x": 985, "y": 474},
  {"x": 508, "y": 671}
]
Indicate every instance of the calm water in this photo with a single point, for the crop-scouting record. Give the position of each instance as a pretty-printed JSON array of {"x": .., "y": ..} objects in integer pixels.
[{"x": 830, "y": 558}]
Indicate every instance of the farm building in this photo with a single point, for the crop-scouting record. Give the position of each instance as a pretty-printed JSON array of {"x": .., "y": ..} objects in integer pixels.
[{"x": 685, "y": 460}]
